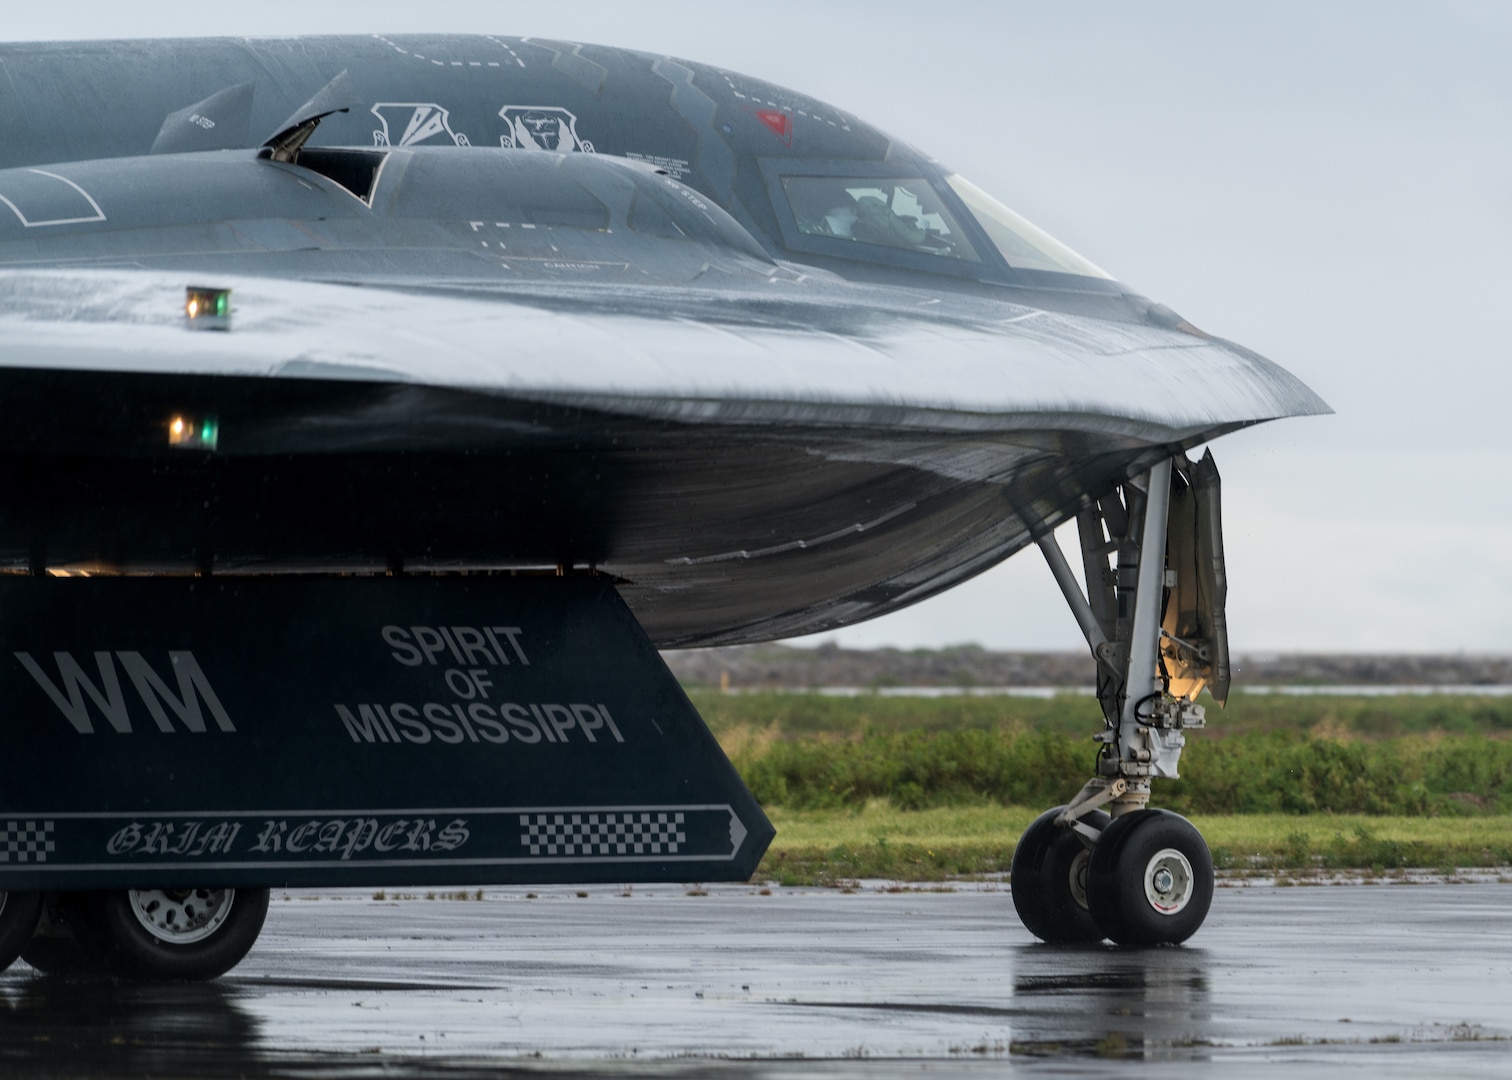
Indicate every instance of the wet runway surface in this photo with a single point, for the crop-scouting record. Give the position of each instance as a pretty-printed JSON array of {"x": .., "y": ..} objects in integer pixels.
[{"x": 1394, "y": 980}]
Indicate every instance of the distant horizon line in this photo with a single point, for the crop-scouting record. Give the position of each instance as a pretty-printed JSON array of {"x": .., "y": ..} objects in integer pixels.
[{"x": 1253, "y": 655}]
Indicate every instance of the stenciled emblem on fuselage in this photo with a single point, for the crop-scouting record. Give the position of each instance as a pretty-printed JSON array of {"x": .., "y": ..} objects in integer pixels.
[
  {"x": 541, "y": 127},
  {"x": 417, "y": 121}
]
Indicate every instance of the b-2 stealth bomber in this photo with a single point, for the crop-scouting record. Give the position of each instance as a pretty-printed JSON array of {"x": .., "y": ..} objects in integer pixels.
[{"x": 372, "y": 410}]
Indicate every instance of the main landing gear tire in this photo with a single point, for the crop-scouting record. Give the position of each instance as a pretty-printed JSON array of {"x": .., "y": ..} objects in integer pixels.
[
  {"x": 150, "y": 935},
  {"x": 1048, "y": 880},
  {"x": 1150, "y": 879},
  {"x": 19, "y": 914}
]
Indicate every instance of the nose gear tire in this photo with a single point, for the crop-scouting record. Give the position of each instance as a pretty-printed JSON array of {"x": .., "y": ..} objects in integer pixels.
[
  {"x": 1048, "y": 880},
  {"x": 1150, "y": 879}
]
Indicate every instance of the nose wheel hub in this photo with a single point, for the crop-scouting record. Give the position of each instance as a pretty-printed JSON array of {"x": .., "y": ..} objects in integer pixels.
[{"x": 1168, "y": 881}]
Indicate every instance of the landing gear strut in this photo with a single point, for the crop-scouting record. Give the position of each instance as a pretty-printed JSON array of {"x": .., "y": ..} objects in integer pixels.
[{"x": 1106, "y": 866}]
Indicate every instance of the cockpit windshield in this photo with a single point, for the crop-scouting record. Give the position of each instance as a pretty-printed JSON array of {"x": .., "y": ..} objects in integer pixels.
[
  {"x": 1025, "y": 246},
  {"x": 908, "y": 214},
  {"x": 902, "y": 212}
]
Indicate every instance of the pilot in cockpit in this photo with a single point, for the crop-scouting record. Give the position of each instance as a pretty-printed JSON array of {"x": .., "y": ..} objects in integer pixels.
[
  {"x": 882, "y": 212},
  {"x": 878, "y": 223}
]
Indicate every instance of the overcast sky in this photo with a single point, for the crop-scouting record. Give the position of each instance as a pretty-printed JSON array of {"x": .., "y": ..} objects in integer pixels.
[{"x": 1328, "y": 183}]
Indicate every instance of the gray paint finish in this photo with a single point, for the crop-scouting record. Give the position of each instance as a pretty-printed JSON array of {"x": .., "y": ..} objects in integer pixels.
[{"x": 548, "y": 260}]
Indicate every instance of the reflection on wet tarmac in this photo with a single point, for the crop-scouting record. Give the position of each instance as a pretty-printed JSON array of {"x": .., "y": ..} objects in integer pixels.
[
  {"x": 1154, "y": 1002},
  {"x": 1389, "y": 980},
  {"x": 57, "y": 1027}
]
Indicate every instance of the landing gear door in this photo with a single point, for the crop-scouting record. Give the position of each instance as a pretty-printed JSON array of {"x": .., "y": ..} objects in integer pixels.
[{"x": 1194, "y": 639}]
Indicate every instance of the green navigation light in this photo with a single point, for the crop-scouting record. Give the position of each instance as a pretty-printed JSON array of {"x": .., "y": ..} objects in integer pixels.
[
  {"x": 193, "y": 433},
  {"x": 207, "y": 308}
]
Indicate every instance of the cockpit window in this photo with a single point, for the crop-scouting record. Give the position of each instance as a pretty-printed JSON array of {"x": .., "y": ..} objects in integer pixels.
[
  {"x": 1025, "y": 246},
  {"x": 902, "y": 212}
]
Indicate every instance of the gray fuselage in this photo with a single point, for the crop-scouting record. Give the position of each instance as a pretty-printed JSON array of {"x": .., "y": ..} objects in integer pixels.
[{"x": 503, "y": 303}]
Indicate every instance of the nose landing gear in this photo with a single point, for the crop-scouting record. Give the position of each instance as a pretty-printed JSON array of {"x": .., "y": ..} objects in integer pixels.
[
  {"x": 1049, "y": 875},
  {"x": 1149, "y": 879},
  {"x": 1156, "y": 627}
]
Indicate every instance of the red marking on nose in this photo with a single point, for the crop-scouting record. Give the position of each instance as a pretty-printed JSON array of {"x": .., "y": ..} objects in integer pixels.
[{"x": 780, "y": 123}]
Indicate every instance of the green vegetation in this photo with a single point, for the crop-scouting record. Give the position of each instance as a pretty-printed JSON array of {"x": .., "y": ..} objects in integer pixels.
[
  {"x": 920, "y": 789},
  {"x": 1399, "y": 755},
  {"x": 798, "y": 714},
  {"x": 828, "y": 847},
  {"x": 1257, "y": 773}
]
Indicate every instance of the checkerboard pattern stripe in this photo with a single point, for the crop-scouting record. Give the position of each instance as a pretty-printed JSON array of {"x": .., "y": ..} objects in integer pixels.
[
  {"x": 635, "y": 832},
  {"x": 26, "y": 841}
]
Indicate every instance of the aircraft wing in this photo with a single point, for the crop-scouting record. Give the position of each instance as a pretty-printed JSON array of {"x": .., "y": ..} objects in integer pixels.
[
  {"x": 771, "y": 370},
  {"x": 786, "y": 353}
]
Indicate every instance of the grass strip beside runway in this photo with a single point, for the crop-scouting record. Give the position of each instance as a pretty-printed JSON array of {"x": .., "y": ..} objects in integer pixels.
[
  {"x": 1342, "y": 756},
  {"x": 922, "y": 789},
  {"x": 803, "y": 714},
  {"x": 831, "y": 847}
]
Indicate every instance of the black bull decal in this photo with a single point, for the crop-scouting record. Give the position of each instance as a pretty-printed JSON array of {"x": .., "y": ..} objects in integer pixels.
[{"x": 351, "y": 731}]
